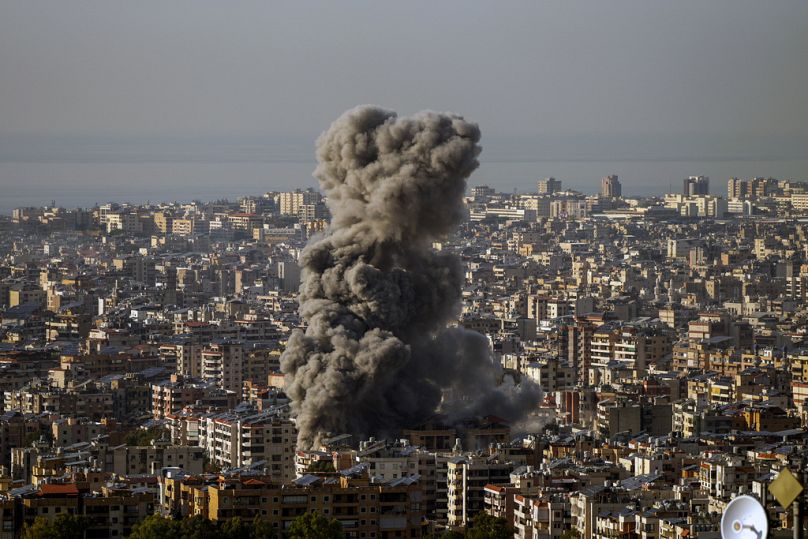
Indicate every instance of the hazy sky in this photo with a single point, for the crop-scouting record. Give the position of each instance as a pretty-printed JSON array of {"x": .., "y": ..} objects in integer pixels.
[
  {"x": 731, "y": 72},
  {"x": 197, "y": 67}
]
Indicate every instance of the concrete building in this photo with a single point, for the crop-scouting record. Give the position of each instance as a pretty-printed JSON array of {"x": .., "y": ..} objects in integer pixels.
[
  {"x": 467, "y": 478},
  {"x": 363, "y": 508},
  {"x": 222, "y": 364},
  {"x": 696, "y": 185},
  {"x": 131, "y": 460},
  {"x": 548, "y": 186},
  {"x": 264, "y": 441},
  {"x": 610, "y": 187},
  {"x": 290, "y": 202}
]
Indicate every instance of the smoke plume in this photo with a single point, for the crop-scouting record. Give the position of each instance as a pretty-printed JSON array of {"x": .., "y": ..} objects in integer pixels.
[{"x": 377, "y": 355}]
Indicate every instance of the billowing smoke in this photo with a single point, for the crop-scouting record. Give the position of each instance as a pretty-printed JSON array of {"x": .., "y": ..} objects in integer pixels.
[{"x": 376, "y": 355}]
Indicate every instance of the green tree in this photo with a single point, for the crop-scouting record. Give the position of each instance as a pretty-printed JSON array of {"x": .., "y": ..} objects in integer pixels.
[
  {"x": 320, "y": 466},
  {"x": 32, "y": 437},
  {"x": 197, "y": 527},
  {"x": 450, "y": 534},
  {"x": 144, "y": 437},
  {"x": 62, "y": 527},
  {"x": 315, "y": 526},
  {"x": 572, "y": 533},
  {"x": 261, "y": 529},
  {"x": 235, "y": 528},
  {"x": 484, "y": 526},
  {"x": 155, "y": 527},
  {"x": 209, "y": 466}
]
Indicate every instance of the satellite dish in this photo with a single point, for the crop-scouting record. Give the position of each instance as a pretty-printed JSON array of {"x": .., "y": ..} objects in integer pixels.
[{"x": 744, "y": 518}]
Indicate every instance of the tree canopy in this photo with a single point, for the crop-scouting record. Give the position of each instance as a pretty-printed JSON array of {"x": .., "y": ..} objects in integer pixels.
[
  {"x": 306, "y": 526},
  {"x": 484, "y": 526},
  {"x": 315, "y": 526},
  {"x": 62, "y": 527},
  {"x": 144, "y": 437}
]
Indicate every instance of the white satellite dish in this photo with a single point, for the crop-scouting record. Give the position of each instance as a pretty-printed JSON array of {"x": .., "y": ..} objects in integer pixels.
[{"x": 744, "y": 518}]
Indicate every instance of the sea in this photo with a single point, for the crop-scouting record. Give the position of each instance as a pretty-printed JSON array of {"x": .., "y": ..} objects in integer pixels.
[{"x": 84, "y": 175}]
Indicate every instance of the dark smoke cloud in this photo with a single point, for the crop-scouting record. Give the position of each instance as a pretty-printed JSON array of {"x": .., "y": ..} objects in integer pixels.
[{"x": 377, "y": 355}]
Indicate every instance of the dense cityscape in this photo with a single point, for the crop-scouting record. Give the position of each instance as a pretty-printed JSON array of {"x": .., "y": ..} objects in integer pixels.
[
  {"x": 387, "y": 270},
  {"x": 144, "y": 372}
]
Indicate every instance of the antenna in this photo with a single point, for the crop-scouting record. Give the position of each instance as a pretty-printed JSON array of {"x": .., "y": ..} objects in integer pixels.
[{"x": 744, "y": 513}]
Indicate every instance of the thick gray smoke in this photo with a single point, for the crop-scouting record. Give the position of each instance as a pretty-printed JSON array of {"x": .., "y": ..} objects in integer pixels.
[{"x": 377, "y": 355}]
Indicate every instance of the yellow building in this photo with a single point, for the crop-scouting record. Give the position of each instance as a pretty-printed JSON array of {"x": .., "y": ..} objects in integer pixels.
[
  {"x": 163, "y": 222},
  {"x": 111, "y": 512},
  {"x": 390, "y": 509},
  {"x": 769, "y": 418},
  {"x": 22, "y": 296}
]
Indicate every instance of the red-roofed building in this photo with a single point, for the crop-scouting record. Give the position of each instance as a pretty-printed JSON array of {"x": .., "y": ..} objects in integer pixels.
[
  {"x": 498, "y": 500},
  {"x": 112, "y": 512},
  {"x": 55, "y": 490}
]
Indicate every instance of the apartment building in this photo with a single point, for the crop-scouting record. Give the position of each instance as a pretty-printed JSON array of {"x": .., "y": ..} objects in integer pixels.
[
  {"x": 222, "y": 364},
  {"x": 467, "y": 477},
  {"x": 244, "y": 438},
  {"x": 365, "y": 509},
  {"x": 133, "y": 460}
]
